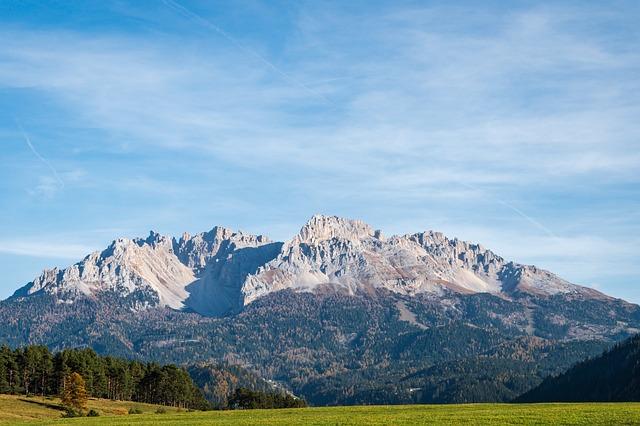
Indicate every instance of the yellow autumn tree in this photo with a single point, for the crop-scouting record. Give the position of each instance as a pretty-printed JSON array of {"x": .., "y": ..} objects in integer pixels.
[{"x": 74, "y": 393}]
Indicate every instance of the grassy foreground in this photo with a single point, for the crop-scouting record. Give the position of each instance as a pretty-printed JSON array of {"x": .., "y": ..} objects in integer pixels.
[{"x": 16, "y": 410}]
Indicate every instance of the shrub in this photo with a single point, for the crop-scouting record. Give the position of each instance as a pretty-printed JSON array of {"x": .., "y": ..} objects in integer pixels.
[
  {"x": 135, "y": 410},
  {"x": 93, "y": 413},
  {"x": 72, "y": 412},
  {"x": 161, "y": 410}
]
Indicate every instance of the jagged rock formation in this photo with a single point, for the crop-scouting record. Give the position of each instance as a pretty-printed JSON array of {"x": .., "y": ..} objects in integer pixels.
[
  {"x": 142, "y": 272},
  {"x": 219, "y": 271},
  {"x": 202, "y": 272},
  {"x": 351, "y": 255}
]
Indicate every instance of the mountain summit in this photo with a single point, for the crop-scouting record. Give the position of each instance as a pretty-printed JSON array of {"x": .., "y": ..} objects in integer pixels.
[{"x": 220, "y": 271}]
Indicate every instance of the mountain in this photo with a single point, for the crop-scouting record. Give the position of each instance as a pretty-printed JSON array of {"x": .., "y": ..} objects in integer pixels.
[
  {"x": 220, "y": 271},
  {"x": 613, "y": 376},
  {"x": 339, "y": 314}
]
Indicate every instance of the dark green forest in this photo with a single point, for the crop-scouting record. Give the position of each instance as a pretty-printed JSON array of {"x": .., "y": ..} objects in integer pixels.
[
  {"x": 335, "y": 349},
  {"x": 612, "y": 377},
  {"x": 246, "y": 399},
  {"x": 34, "y": 370}
]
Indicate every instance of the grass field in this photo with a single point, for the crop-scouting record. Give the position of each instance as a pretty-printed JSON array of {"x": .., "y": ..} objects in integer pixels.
[
  {"x": 17, "y": 409},
  {"x": 34, "y": 411}
]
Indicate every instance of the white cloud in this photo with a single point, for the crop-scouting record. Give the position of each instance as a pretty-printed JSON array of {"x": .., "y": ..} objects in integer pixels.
[
  {"x": 45, "y": 249},
  {"x": 46, "y": 187}
]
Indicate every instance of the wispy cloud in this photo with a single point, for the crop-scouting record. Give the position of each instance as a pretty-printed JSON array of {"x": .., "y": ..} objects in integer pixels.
[
  {"x": 54, "y": 172},
  {"x": 199, "y": 20},
  {"x": 45, "y": 249},
  {"x": 433, "y": 98},
  {"x": 47, "y": 186}
]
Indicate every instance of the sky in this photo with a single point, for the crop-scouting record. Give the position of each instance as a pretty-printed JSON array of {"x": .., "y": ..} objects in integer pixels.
[{"x": 511, "y": 124}]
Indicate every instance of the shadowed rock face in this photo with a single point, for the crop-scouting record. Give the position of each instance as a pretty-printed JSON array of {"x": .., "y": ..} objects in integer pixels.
[
  {"x": 223, "y": 279},
  {"x": 218, "y": 272}
]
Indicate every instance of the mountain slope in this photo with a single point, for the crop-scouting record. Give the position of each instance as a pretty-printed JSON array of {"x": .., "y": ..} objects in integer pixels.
[
  {"x": 612, "y": 376},
  {"x": 339, "y": 314},
  {"x": 219, "y": 382},
  {"x": 334, "y": 348}
]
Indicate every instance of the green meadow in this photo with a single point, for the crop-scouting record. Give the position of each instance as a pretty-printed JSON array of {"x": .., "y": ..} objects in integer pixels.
[{"x": 37, "y": 411}]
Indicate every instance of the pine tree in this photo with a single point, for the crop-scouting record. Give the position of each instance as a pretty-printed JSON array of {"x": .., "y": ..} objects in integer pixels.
[
  {"x": 74, "y": 394},
  {"x": 76, "y": 374}
]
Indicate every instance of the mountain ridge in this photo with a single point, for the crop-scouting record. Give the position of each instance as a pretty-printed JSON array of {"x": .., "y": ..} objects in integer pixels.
[{"x": 220, "y": 271}]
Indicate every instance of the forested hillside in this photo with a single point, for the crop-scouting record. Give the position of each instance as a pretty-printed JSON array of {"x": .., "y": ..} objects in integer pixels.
[
  {"x": 331, "y": 348},
  {"x": 35, "y": 370},
  {"x": 219, "y": 382},
  {"x": 613, "y": 376}
]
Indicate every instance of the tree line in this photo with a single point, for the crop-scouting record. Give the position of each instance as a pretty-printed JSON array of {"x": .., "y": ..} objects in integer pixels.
[
  {"x": 34, "y": 370},
  {"x": 613, "y": 376},
  {"x": 246, "y": 399}
]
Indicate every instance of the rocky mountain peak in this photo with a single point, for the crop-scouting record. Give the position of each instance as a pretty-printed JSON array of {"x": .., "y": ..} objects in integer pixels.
[
  {"x": 116, "y": 249},
  {"x": 196, "y": 251},
  {"x": 154, "y": 239},
  {"x": 322, "y": 228}
]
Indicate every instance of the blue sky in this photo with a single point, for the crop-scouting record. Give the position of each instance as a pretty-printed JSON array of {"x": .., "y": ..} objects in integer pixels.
[{"x": 517, "y": 127}]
